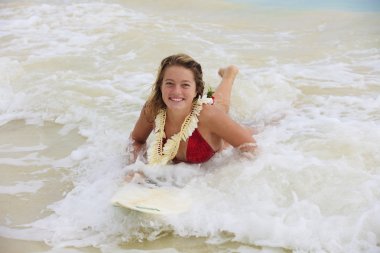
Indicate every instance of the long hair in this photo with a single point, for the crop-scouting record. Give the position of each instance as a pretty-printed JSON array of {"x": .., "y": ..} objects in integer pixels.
[{"x": 155, "y": 102}]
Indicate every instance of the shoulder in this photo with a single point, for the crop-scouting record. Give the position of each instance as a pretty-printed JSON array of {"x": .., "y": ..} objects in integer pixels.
[
  {"x": 147, "y": 113},
  {"x": 211, "y": 114}
]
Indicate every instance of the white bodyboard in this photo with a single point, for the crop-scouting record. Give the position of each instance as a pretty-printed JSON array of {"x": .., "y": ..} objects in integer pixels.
[{"x": 159, "y": 200}]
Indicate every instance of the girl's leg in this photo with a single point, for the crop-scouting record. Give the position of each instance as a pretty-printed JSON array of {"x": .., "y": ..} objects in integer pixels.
[{"x": 222, "y": 94}]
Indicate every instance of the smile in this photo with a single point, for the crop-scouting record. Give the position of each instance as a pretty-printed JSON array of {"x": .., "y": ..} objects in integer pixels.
[{"x": 176, "y": 99}]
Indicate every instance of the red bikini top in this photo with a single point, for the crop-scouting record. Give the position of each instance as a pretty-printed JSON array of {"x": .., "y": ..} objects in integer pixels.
[{"x": 198, "y": 150}]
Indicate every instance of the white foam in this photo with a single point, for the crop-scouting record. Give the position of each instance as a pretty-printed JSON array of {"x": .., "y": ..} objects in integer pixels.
[
  {"x": 28, "y": 160},
  {"x": 9, "y": 148},
  {"x": 22, "y": 187},
  {"x": 314, "y": 185}
]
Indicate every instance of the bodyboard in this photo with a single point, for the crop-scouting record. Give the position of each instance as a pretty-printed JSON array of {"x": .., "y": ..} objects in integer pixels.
[{"x": 157, "y": 200}]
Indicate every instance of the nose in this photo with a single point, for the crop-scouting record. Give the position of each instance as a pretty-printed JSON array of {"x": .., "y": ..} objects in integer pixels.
[{"x": 176, "y": 89}]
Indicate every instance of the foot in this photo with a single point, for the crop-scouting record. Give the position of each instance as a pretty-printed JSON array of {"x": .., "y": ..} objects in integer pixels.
[{"x": 228, "y": 72}]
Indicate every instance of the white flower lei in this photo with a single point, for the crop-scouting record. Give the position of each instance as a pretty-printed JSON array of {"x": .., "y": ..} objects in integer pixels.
[{"x": 159, "y": 154}]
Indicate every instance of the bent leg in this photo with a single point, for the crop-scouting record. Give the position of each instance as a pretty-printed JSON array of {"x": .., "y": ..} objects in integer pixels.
[{"x": 222, "y": 94}]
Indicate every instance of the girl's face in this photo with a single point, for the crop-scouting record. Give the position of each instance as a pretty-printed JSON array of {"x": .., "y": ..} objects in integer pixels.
[{"x": 178, "y": 88}]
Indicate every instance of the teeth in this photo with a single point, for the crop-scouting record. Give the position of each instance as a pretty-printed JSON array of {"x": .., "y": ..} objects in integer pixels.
[{"x": 176, "y": 99}]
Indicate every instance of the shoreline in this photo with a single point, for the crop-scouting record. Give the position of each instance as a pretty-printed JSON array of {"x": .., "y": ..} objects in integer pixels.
[{"x": 164, "y": 244}]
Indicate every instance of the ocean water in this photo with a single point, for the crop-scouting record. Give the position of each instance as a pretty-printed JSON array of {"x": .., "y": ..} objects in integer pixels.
[
  {"x": 336, "y": 5},
  {"x": 73, "y": 78}
]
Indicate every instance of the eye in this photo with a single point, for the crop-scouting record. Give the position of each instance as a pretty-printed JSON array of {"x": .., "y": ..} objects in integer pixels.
[
  {"x": 169, "y": 83},
  {"x": 186, "y": 85}
]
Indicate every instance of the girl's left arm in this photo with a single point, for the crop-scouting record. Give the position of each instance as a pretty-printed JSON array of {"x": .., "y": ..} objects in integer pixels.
[{"x": 223, "y": 126}]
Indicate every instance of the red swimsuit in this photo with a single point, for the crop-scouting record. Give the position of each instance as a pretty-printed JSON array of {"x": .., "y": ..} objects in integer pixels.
[{"x": 198, "y": 150}]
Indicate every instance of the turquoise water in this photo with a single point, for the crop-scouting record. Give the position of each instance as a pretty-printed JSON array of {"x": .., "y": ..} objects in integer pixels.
[{"x": 348, "y": 5}]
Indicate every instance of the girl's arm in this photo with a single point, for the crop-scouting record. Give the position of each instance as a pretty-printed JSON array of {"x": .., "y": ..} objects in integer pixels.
[
  {"x": 139, "y": 135},
  {"x": 223, "y": 126}
]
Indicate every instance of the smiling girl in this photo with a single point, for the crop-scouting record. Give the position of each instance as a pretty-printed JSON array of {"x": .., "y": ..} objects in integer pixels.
[{"x": 188, "y": 126}]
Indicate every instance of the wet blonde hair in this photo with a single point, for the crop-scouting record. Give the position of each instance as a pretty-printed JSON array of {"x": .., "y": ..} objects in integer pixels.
[{"x": 155, "y": 102}]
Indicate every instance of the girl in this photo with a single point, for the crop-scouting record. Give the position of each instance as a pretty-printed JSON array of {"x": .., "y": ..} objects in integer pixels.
[{"x": 188, "y": 127}]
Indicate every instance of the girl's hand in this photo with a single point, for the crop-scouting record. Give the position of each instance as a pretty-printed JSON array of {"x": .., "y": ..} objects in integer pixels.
[
  {"x": 135, "y": 177},
  {"x": 134, "y": 149}
]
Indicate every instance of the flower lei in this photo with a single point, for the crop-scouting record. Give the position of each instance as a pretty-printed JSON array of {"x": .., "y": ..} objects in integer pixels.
[{"x": 159, "y": 154}]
